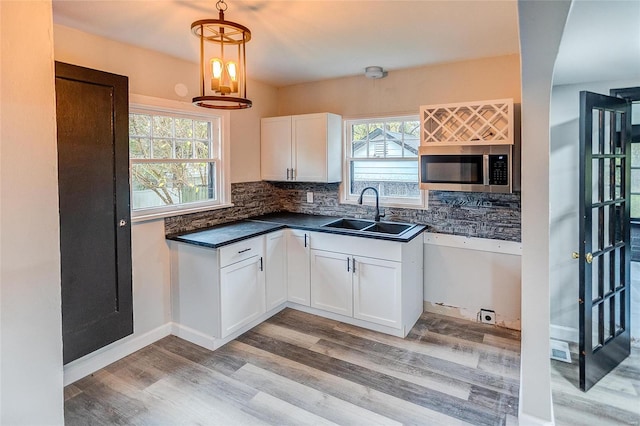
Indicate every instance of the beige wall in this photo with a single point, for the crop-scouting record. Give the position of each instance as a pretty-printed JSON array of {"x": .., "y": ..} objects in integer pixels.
[
  {"x": 30, "y": 315},
  {"x": 403, "y": 91},
  {"x": 155, "y": 74}
]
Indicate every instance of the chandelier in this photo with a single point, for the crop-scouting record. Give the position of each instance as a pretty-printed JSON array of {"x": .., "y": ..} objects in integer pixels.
[{"x": 223, "y": 73}]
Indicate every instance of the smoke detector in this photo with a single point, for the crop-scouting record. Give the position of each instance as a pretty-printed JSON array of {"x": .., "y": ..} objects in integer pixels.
[{"x": 374, "y": 72}]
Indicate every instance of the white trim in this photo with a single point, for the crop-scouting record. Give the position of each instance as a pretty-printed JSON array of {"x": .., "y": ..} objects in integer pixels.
[
  {"x": 96, "y": 360},
  {"x": 398, "y": 332},
  {"x": 566, "y": 334},
  {"x": 194, "y": 336},
  {"x": 473, "y": 243},
  {"x": 387, "y": 202},
  {"x": 529, "y": 420},
  {"x": 209, "y": 342},
  {"x": 185, "y": 209}
]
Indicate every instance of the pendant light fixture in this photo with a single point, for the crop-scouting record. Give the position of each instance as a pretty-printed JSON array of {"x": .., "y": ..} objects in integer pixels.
[{"x": 223, "y": 73}]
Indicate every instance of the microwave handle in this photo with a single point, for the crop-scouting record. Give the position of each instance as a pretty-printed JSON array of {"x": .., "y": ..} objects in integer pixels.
[{"x": 485, "y": 165}]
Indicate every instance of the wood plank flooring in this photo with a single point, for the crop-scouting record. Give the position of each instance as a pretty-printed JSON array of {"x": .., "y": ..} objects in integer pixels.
[
  {"x": 614, "y": 400},
  {"x": 298, "y": 369}
]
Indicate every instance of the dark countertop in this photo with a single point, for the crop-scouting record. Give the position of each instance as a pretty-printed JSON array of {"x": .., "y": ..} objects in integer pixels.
[{"x": 229, "y": 233}]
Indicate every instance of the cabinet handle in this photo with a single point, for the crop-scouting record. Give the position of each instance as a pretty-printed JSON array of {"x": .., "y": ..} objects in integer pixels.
[
  {"x": 287, "y": 174},
  {"x": 293, "y": 174},
  {"x": 261, "y": 265},
  {"x": 305, "y": 240},
  {"x": 245, "y": 250},
  {"x": 353, "y": 268},
  {"x": 348, "y": 264}
]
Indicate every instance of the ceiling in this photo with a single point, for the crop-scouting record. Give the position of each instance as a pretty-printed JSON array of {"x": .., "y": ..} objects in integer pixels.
[
  {"x": 296, "y": 41},
  {"x": 601, "y": 41}
]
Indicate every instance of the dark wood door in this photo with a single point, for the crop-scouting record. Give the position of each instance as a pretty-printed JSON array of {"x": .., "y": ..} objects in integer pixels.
[
  {"x": 604, "y": 295},
  {"x": 95, "y": 234}
]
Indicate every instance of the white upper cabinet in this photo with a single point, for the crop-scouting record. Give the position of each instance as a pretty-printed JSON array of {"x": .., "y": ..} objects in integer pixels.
[
  {"x": 275, "y": 148},
  {"x": 468, "y": 123},
  {"x": 302, "y": 148}
]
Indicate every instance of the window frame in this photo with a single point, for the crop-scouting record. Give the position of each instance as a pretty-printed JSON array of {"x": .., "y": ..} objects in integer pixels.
[
  {"x": 420, "y": 203},
  {"x": 156, "y": 106}
]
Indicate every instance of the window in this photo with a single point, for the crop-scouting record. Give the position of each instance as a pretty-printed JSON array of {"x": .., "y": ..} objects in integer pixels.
[
  {"x": 175, "y": 162},
  {"x": 383, "y": 153}
]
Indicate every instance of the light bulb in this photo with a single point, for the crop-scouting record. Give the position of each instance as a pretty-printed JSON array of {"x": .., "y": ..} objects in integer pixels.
[
  {"x": 216, "y": 73},
  {"x": 232, "y": 70}
]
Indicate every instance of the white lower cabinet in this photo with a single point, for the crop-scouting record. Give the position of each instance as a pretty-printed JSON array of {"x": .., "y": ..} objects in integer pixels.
[
  {"x": 377, "y": 291},
  {"x": 298, "y": 274},
  {"x": 217, "y": 292},
  {"x": 275, "y": 269},
  {"x": 242, "y": 294},
  {"x": 378, "y": 283},
  {"x": 331, "y": 283}
]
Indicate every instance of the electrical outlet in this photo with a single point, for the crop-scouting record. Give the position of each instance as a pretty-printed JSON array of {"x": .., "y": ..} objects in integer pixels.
[
  {"x": 487, "y": 316},
  {"x": 309, "y": 197}
]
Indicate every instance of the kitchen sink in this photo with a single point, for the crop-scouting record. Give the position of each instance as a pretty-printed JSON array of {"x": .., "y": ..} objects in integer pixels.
[
  {"x": 353, "y": 224},
  {"x": 388, "y": 228}
]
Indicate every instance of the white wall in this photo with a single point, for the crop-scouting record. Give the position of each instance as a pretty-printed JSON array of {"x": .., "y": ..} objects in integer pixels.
[
  {"x": 564, "y": 200},
  {"x": 30, "y": 323},
  {"x": 403, "y": 91},
  {"x": 541, "y": 25},
  {"x": 155, "y": 74},
  {"x": 490, "y": 278}
]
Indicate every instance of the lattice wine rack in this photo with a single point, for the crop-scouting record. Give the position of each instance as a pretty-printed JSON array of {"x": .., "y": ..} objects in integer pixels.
[{"x": 468, "y": 123}]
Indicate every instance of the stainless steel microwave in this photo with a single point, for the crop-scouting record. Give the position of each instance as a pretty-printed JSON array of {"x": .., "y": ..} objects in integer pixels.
[{"x": 480, "y": 168}]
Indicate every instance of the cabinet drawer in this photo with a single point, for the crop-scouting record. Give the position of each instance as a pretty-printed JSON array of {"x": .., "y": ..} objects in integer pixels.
[{"x": 241, "y": 250}]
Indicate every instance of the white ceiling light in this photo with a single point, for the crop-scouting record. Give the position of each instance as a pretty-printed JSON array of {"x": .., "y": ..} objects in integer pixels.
[{"x": 375, "y": 72}]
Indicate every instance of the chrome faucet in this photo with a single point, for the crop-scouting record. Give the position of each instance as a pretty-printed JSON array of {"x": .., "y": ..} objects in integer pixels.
[{"x": 378, "y": 215}]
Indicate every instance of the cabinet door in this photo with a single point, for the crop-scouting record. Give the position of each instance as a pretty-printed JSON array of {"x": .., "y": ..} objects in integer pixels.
[
  {"x": 310, "y": 147},
  {"x": 276, "y": 269},
  {"x": 298, "y": 267},
  {"x": 331, "y": 282},
  {"x": 275, "y": 148},
  {"x": 377, "y": 291},
  {"x": 242, "y": 296}
]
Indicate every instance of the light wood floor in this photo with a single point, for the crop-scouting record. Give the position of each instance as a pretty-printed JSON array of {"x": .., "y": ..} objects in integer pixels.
[
  {"x": 298, "y": 369},
  {"x": 614, "y": 400}
]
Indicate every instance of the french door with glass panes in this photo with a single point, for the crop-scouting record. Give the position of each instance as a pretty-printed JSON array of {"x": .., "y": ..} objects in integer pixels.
[{"x": 604, "y": 334}]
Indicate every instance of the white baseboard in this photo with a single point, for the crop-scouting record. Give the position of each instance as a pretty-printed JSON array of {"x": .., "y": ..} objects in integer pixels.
[
  {"x": 350, "y": 320},
  {"x": 566, "y": 334},
  {"x": 212, "y": 343},
  {"x": 528, "y": 420},
  {"x": 193, "y": 336},
  {"x": 93, "y": 362}
]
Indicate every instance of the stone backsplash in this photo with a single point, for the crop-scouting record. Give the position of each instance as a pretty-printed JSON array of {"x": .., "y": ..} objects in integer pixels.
[
  {"x": 472, "y": 214},
  {"x": 248, "y": 198}
]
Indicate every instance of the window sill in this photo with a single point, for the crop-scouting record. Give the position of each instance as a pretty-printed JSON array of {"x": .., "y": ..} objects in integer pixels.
[
  {"x": 177, "y": 212},
  {"x": 386, "y": 205}
]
